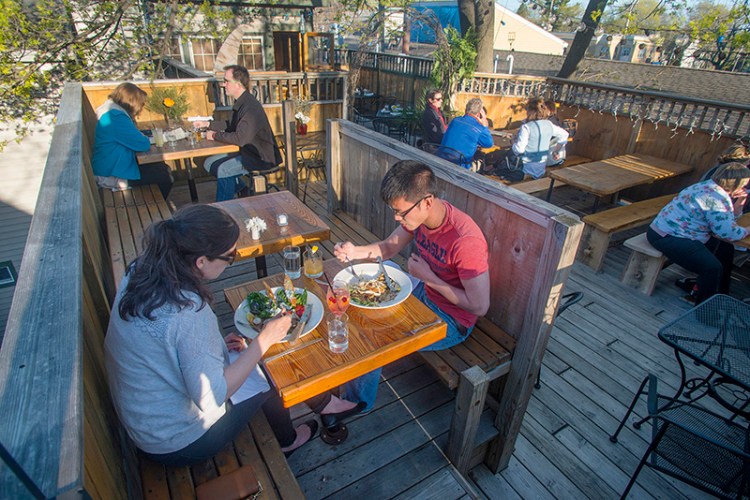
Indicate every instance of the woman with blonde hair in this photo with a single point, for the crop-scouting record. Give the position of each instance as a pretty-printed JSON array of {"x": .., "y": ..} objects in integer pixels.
[
  {"x": 117, "y": 141},
  {"x": 694, "y": 229}
]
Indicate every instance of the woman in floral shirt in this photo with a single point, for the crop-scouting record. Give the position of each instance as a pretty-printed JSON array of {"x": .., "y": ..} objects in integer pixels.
[{"x": 693, "y": 229}]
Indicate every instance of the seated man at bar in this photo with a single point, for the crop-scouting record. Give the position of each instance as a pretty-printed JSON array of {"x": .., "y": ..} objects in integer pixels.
[
  {"x": 466, "y": 133},
  {"x": 450, "y": 258},
  {"x": 249, "y": 129}
]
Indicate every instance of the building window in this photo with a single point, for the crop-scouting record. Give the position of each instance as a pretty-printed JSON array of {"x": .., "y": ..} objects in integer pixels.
[
  {"x": 8, "y": 274},
  {"x": 174, "y": 50},
  {"x": 251, "y": 53},
  {"x": 204, "y": 53}
]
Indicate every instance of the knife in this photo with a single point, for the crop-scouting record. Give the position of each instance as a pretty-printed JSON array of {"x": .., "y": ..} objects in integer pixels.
[
  {"x": 293, "y": 349},
  {"x": 294, "y": 336}
]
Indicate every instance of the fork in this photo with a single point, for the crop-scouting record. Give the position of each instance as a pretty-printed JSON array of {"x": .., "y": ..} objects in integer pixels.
[
  {"x": 388, "y": 281},
  {"x": 351, "y": 270}
]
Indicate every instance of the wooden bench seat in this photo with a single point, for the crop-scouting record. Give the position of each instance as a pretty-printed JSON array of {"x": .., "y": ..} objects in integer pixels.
[
  {"x": 127, "y": 214},
  {"x": 255, "y": 446},
  {"x": 601, "y": 226},
  {"x": 469, "y": 367},
  {"x": 542, "y": 184},
  {"x": 644, "y": 265}
]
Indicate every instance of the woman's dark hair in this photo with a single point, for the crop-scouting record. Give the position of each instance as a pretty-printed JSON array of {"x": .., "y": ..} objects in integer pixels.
[
  {"x": 407, "y": 179},
  {"x": 166, "y": 268},
  {"x": 731, "y": 176}
]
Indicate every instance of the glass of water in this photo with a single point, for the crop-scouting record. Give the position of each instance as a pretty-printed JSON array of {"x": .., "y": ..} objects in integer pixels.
[
  {"x": 292, "y": 262},
  {"x": 338, "y": 332}
]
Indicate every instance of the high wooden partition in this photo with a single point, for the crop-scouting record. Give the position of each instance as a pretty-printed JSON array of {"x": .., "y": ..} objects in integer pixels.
[
  {"x": 59, "y": 428},
  {"x": 532, "y": 247}
]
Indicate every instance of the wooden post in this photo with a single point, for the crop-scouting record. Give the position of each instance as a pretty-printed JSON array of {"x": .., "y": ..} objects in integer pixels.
[
  {"x": 532, "y": 341},
  {"x": 333, "y": 164},
  {"x": 635, "y": 133},
  {"x": 472, "y": 391},
  {"x": 290, "y": 145}
]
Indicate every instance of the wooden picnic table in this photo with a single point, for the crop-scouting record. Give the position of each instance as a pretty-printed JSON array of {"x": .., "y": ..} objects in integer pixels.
[
  {"x": 304, "y": 226},
  {"x": 610, "y": 176},
  {"x": 503, "y": 138},
  {"x": 377, "y": 337},
  {"x": 183, "y": 152}
]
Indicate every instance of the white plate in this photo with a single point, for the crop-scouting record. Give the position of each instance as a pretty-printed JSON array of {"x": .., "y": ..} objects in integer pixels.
[
  {"x": 315, "y": 317},
  {"x": 372, "y": 271}
]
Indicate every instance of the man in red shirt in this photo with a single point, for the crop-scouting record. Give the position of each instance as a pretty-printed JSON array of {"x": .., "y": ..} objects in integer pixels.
[{"x": 450, "y": 258}]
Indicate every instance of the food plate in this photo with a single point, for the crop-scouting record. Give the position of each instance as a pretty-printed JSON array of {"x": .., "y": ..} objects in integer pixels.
[
  {"x": 240, "y": 314},
  {"x": 372, "y": 271}
]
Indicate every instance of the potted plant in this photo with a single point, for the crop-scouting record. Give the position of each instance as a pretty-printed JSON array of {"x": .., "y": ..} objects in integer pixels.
[
  {"x": 169, "y": 102},
  {"x": 303, "y": 106}
]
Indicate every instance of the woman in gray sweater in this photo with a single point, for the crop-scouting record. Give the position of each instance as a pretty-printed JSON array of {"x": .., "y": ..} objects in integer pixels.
[{"x": 169, "y": 371}]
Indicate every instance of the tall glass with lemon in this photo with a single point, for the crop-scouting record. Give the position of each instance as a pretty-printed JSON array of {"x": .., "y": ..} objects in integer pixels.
[{"x": 313, "y": 263}]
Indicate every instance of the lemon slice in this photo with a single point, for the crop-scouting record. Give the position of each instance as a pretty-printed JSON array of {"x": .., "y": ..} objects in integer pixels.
[{"x": 314, "y": 248}]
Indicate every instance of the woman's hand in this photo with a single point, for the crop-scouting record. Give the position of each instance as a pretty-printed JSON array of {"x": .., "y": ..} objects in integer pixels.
[
  {"x": 273, "y": 332},
  {"x": 235, "y": 342}
]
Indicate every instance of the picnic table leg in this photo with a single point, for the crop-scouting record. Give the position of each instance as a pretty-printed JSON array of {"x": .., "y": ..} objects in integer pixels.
[
  {"x": 596, "y": 205},
  {"x": 260, "y": 266},
  {"x": 191, "y": 181},
  {"x": 549, "y": 190}
]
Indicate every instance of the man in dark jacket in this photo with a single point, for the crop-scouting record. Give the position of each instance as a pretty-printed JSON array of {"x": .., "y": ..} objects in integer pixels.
[
  {"x": 249, "y": 129},
  {"x": 433, "y": 119}
]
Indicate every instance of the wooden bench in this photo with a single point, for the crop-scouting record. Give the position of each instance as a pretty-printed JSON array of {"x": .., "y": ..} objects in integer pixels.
[
  {"x": 469, "y": 367},
  {"x": 127, "y": 215},
  {"x": 644, "y": 265},
  {"x": 601, "y": 226},
  {"x": 542, "y": 184},
  {"x": 255, "y": 446}
]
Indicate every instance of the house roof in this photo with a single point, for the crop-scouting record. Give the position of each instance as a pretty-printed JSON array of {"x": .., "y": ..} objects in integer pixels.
[{"x": 504, "y": 12}]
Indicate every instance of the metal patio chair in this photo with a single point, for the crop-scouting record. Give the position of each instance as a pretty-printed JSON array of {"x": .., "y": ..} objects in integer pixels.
[
  {"x": 696, "y": 446},
  {"x": 567, "y": 300}
]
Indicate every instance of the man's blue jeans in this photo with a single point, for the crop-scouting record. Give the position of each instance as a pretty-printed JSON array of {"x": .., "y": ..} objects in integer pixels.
[
  {"x": 228, "y": 170},
  {"x": 365, "y": 388}
]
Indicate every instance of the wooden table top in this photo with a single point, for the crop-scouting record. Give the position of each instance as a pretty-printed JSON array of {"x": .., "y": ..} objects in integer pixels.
[
  {"x": 182, "y": 149},
  {"x": 376, "y": 338},
  {"x": 612, "y": 175},
  {"x": 744, "y": 221},
  {"x": 304, "y": 226}
]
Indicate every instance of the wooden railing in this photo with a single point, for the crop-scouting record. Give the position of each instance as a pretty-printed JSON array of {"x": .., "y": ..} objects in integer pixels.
[
  {"x": 276, "y": 87},
  {"x": 504, "y": 85},
  {"x": 416, "y": 67},
  {"x": 52, "y": 378},
  {"x": 670, "y": 110}
]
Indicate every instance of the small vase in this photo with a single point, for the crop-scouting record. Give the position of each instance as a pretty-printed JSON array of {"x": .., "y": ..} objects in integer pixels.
[
  {"x": 255, "y": 233},
  {"x": 301, "y": 128}
]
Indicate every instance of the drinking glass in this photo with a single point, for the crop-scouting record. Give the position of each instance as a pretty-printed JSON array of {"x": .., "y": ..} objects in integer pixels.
[
  {"x": 313, "y": 263},
  {"x": 158, "y": 137},
  {"x": 337, "y": 297},
  {"x": 292, "y": 262},
  {"x": 338, "y": 332}
]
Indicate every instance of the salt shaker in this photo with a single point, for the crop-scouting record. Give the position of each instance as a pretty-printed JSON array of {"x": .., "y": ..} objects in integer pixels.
[{"x": 282, "y": 219}]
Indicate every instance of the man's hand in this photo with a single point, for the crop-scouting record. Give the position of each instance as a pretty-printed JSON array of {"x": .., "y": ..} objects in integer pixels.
[
  {"x": 210, "y": 134},
  {"x": 201, "y": 124},
  {"x": 344, "y": 251},
  {"x": 482, "y": 117},
  {"x": 420, "y": 269}
]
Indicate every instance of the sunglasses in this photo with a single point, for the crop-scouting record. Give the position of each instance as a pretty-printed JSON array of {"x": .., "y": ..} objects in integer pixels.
[
  {"x": 403, "y": 214},
  {"x": 229, "y": 259}
]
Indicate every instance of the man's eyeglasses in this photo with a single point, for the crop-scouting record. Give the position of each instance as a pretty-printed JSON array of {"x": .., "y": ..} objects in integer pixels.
[
  {"x": 229, "y": 259},
  {"x": 403, "y": 214}
]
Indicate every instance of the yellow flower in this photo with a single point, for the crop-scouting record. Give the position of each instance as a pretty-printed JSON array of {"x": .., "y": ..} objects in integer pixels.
[{"x": 168, "y": 102}]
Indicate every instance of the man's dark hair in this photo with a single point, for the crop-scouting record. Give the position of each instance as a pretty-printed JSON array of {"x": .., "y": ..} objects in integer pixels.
[
  {"x": 407, "y": 179},
  {"x": 432, "y": 93},
  {"x": 239, "y": 74}
]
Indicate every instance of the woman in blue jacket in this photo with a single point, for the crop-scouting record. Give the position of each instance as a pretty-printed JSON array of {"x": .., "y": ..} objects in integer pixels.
[{"x": 118, "y": 139}]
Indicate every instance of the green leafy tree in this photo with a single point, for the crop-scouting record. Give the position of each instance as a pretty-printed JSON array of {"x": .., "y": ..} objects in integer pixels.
[
  {"x": 722, "y": 32},
  {"x": 45, "y": 43},
  {"x": 454, "y": 62}
]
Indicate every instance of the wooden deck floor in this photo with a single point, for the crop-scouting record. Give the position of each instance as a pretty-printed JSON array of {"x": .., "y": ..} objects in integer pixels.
[{"x": 599, "y": 351}]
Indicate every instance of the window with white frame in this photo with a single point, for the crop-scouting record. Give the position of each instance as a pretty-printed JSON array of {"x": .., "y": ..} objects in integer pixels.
[
  {"x": 251, "y": 53},
  {"x": 204, "y": 53}
]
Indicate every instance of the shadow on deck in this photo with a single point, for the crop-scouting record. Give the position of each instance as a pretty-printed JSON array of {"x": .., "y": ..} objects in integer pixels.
[{"x": 599, "y": 351}]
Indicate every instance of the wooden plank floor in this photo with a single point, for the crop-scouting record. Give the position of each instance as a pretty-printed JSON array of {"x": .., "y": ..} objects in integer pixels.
[{"x": 599, "y": 351}]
